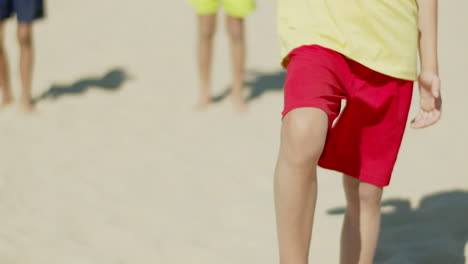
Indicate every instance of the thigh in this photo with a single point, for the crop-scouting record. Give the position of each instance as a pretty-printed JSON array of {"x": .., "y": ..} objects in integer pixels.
[
  {"x": 235, "y": 26},
  {"x": 238, "y": 8},
  {"x": 207, "y": 25},
  {"x": 315, "y": 79}
]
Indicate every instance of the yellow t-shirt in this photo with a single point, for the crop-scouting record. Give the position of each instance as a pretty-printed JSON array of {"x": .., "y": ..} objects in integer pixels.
[{"x": 380, "y": 34}]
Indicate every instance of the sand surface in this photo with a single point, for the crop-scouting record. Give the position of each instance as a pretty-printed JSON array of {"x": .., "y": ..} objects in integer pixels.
[{"x": 116, "y": 168}]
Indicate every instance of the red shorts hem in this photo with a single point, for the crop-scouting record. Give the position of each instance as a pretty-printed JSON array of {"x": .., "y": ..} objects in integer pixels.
[
  {"x": 362, "y": 177},
  {"x": 330, "y": 115}
]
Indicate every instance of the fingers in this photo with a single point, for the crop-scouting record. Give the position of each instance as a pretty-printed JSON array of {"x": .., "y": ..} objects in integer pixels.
[
  {"x": 438, "y": 103},
  {"x": 425, "y": 119},
  {"x": 418, "y": 122},
  {"x": 435, "y": 117},
  {"x": 436, "y": 87}
]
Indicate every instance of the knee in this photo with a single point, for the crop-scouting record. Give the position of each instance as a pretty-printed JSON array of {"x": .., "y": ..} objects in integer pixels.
[
  {"x": 302, "y": 140},
  {"x": 235, "y": 33},
  {"x": 24, "y": 38},
  {"x": 370, "y": 195},
  {"x": 361, "y": 197},
  {"x": 207, "y": 33}
]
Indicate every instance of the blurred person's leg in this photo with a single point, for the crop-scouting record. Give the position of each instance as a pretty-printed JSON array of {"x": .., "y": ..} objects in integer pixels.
[
  {"x": 303, "y": 136},
  {"x": 207, "y": 28},
  {"x": 4, "y": 73},
  {"x": 361, "y": 221},
  {"x": 26, "y": 63},
  {"x": 27, "y": 12},
  {"x": 235, "y": 28}
]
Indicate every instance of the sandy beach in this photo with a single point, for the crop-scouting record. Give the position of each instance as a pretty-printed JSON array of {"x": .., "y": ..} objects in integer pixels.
[{"x": 116, "y": 168}]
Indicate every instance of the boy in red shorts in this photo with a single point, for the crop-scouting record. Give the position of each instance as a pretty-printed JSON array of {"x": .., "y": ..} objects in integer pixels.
[{"x": 365, "y": 52}]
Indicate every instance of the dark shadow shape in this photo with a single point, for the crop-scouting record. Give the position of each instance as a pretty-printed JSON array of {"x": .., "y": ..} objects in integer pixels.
[
  {"x": 261, "y": 83},
  {"x": 434, "y": 233},
  {"x": 265, "y": 82},
  {"x": 111, "y": 81},
  {"x": 220, "y": 97}
]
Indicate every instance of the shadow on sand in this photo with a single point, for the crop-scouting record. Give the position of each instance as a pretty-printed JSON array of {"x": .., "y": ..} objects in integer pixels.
[
  {"x": 111, "y": 81},
  {"x": 436, "y": 232},
  {"x": 257, "y": 84}
]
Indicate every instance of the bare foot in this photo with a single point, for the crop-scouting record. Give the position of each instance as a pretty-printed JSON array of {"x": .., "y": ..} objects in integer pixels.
[
  {"x": 6, "y": 101},
  {"x": 202, "y": 103},
  {"x": 27, "y": 106},
  {"x": 239, "y": 103}
]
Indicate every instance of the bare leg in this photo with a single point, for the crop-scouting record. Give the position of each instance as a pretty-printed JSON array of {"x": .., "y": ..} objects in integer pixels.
[
  {"x": 303, "y": 135},
  {"x": 4, "y": 74},
  {"x": 361, "y": 222},
  {"x": 235, "y": 28},
  {"x": 26, "y": 64},
  {"x": 207, "y": 28}
]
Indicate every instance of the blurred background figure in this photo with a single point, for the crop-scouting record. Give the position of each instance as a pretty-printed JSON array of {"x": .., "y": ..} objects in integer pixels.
[
  {"x": 236, "y": 11},
  {"x": 27, "y": 11}
]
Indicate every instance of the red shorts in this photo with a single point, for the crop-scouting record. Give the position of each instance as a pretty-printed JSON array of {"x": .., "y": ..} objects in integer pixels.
[{"x": 365, "y": 140}]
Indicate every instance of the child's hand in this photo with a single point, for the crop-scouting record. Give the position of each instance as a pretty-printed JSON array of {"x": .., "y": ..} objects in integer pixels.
[{"x": 431, "y": 101}]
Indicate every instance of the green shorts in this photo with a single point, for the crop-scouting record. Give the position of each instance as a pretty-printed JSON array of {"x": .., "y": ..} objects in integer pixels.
[{"x": 234, "y": 8}]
